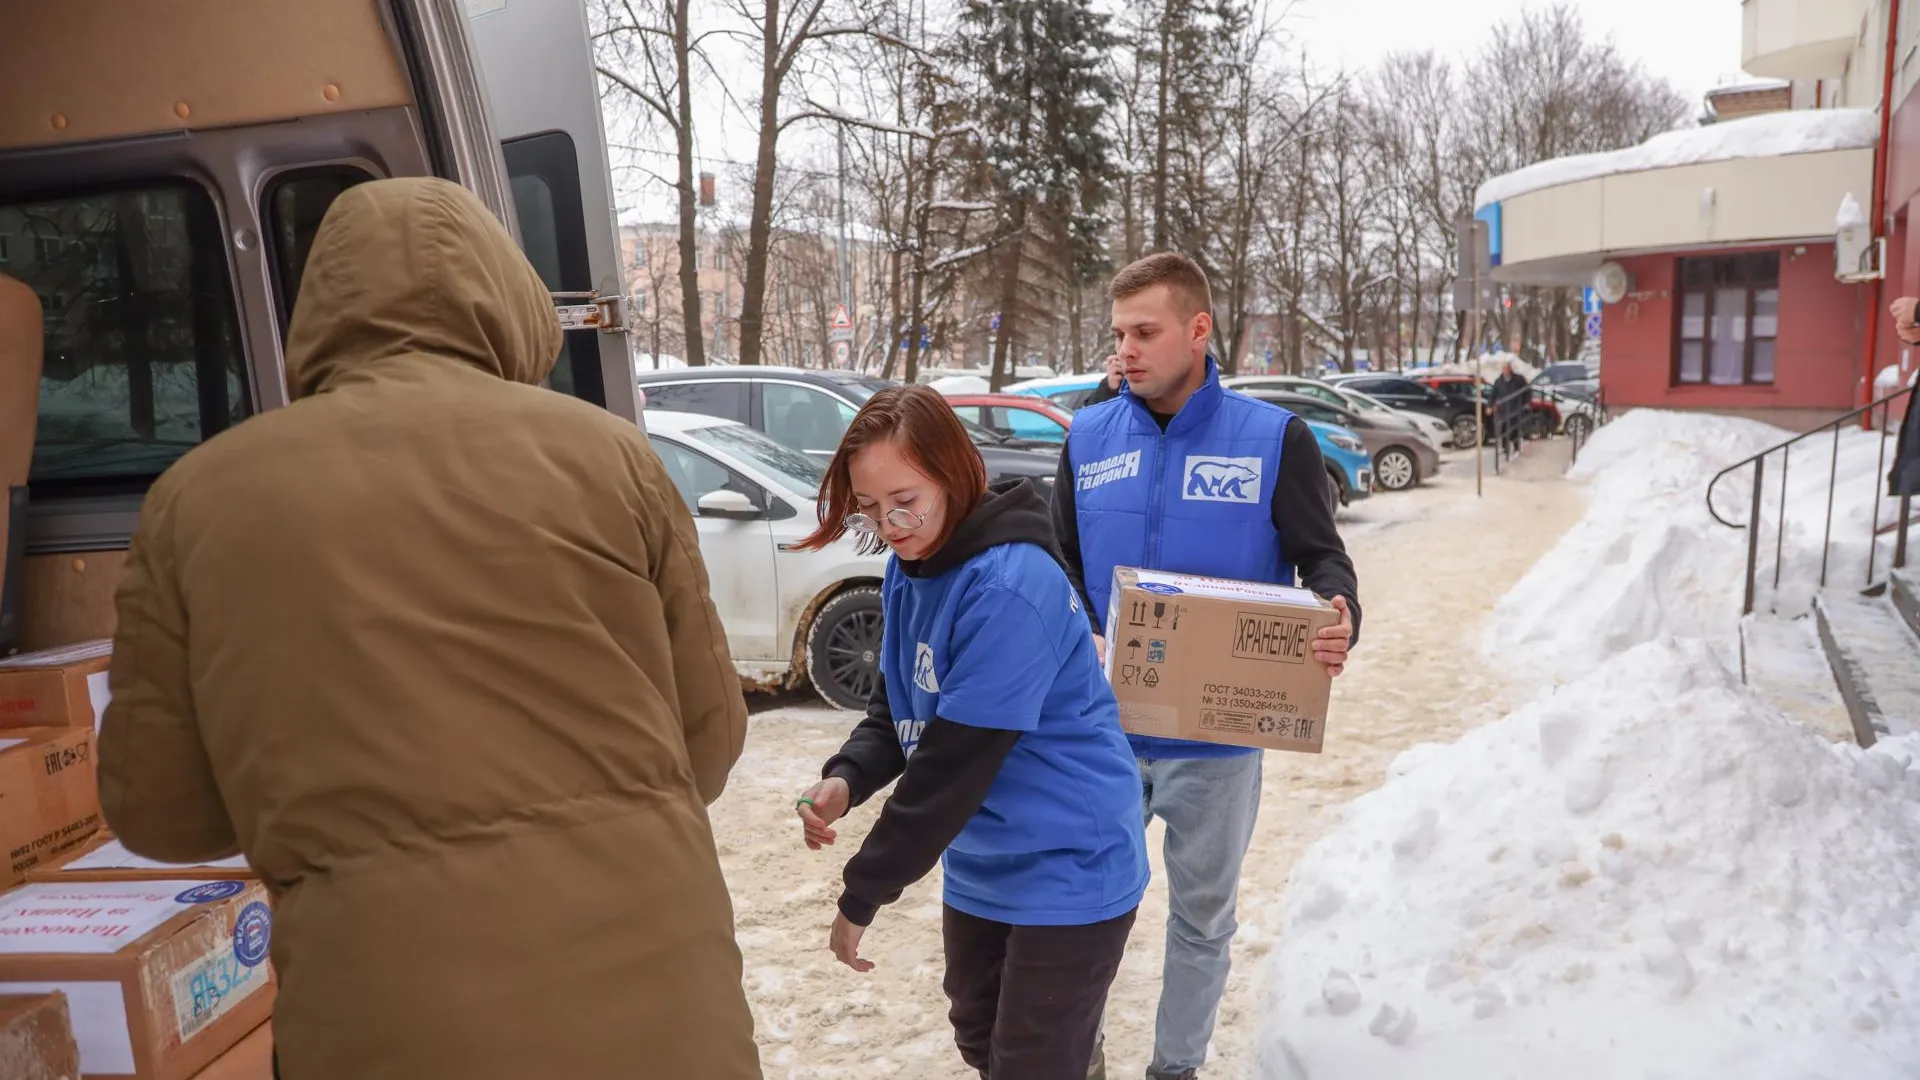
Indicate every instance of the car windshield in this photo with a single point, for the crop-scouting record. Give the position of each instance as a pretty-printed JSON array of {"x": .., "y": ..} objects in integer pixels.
[
  {"x": 791, "y": 467},
  {"x": 862, "y": 389},
  {"x": 1363, "y": 403}
]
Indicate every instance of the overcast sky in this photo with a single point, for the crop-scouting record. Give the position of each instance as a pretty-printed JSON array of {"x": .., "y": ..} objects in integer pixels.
[{"x": 1693, "y": 43}]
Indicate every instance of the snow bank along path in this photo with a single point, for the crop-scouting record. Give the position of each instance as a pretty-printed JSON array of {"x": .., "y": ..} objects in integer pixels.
[
  {"x": 1648, "y": 560},
  {"x": 1647, "y": 872},
  {"x": 1642, "y": 874}
]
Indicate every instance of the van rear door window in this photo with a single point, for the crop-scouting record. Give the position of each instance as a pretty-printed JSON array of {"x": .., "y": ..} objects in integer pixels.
[
  {"x": 144, "y": 358},
  {"x": 296, "y": 203}
]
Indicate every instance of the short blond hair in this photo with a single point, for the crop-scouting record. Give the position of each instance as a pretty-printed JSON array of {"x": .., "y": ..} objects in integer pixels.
[{"x": 1180, "y": 274}]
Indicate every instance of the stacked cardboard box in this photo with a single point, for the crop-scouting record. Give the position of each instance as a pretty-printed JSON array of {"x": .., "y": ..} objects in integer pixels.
[
  {"x": 161, "y": 977},
  {"x": 146, "y": 970},
  {"x": 64, "y": 687},
  {"x": 36, "y": 1038},
  {"x": 49, "y": 797}
]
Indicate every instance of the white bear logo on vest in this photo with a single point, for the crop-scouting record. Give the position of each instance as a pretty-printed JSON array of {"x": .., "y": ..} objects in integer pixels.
[{"x": 1221, "y": 479}]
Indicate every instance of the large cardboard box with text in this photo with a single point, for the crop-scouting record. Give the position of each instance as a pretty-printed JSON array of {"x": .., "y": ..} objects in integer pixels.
[
  {"x": 161, "y": 977},
  {"x": 49, "y": 797},
  {"x": 1220, "y": 661}
]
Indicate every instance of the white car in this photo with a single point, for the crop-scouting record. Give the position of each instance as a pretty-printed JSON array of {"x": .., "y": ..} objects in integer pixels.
[
  {"x": 1431, "y": 428},
  {"x": 789, "y": 615}
]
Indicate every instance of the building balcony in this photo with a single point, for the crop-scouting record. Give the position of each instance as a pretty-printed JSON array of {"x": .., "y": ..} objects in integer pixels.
[
  {"x": 1799, "y": 39},
  {"x": 1760, "y": 180}
]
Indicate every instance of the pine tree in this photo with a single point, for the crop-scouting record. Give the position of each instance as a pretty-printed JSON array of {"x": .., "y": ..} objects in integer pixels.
[{"x": 1040, "y": 101}]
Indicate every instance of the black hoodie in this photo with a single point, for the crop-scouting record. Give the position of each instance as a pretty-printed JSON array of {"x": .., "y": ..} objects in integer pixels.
[{"x": 954, "y": 765}]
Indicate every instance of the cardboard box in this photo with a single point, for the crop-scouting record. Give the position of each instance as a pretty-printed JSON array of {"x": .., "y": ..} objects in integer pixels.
[
  {"x": 252, "y": 1059},
  {"x": 65, "y": 687},
  {"x": 49, "y": 797},
  {"x": 1211, "y": 660},
  {"x": 36, "y": 1038},
  {"x": 104, "y": 858},
  {"x": 161, "y": 977}
]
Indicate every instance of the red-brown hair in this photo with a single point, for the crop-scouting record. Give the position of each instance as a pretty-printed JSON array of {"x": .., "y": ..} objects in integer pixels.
[{"x": 923, "y": 425}]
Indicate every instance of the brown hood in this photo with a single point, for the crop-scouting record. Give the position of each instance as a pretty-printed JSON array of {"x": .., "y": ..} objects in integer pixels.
[{"x": 417, "y": 267}]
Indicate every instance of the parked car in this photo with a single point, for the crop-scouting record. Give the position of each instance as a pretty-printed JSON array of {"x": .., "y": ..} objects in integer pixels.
[
  {"x": 1015, "y": 416},
  {"x": 1413, "y": 395},
  {"x": 1548, "y": 411},
  {"x": 1432, "y": 428},
  {"x": 1562, "y": 373},
  {"x": 1349, "y": 469},
  {"x": 1066, "y": 391},
  {"x": 789, "y": 615},
  {"x": 1400, "y": 455},
  {"x": 809, "y": 410}
]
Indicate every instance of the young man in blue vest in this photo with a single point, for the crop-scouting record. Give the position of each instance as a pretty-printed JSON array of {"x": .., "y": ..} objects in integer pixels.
[{"x": 1136, "y": 488}]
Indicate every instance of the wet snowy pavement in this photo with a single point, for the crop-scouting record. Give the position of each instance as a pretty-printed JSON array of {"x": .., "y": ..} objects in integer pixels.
[{"x": 1432, "y": 563}]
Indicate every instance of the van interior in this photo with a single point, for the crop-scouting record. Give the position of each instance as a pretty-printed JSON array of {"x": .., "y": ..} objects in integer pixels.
[{"x": 161, "y": 181}]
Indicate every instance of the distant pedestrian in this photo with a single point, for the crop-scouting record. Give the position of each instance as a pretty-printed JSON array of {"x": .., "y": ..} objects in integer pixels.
[{"x": 1511, "y": 405}]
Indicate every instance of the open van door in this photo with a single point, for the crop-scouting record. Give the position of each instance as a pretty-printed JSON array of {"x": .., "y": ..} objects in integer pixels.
[{"x": 536, "y": 61}]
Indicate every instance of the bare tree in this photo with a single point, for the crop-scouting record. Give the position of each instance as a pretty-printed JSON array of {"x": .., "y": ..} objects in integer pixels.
[{"x": 645, "y": 51}]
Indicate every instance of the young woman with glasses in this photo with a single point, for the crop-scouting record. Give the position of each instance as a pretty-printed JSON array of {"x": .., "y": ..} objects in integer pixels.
[{"x": 993, "y": 714}]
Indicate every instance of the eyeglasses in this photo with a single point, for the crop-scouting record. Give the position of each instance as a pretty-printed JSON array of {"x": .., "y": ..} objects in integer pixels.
[{"x": 899, "y": 517}]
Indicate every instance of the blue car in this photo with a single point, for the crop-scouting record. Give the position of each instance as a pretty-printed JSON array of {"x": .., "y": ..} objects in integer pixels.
[
  {"x": 1349, "y": 469},
  {"x": 1066, "y": 391}
]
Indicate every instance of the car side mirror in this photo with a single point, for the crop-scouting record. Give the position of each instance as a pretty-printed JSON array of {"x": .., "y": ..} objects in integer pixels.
[{"x": 730, "y": 505}]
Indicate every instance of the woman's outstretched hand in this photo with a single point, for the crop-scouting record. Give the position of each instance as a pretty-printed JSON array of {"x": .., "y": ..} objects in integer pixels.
[{"x": 823, "y": 804}]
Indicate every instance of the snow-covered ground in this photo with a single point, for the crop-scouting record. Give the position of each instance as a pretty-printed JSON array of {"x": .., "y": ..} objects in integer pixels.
[
  {"x": 1431, "y": 562},
  {"x": 1648, "y": 871}
]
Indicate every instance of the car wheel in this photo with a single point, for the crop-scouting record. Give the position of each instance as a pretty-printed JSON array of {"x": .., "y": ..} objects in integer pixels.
[
  {"x": 1537, "y": 425},
  {"x": 1336, "y": 491},
  {"x": 1395, "y": 470},
  {"x": 1579, "y": 426},
  {"x": 843, "y": 647},
  {"x": 1464, "y": 430}
]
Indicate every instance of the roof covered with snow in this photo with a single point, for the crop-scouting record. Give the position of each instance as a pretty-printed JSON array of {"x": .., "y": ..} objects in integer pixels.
[{"x": 1800, "y": 131}]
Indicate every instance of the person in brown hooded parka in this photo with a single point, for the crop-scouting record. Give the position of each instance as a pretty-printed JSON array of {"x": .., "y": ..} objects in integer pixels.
[{"x": 434, "y": 648}]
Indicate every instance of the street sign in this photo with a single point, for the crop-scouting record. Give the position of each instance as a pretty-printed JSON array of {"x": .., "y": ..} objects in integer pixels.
[
  {"x": 842, "y": 354},
  {"x": 1593, "y": 325},
  {"x": 841, "y": 329}
]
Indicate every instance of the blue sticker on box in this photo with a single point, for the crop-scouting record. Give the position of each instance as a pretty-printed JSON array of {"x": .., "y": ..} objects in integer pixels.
[
  {"x": 253, "y": 934},
  {"x": 210, "y": 892},
  {"x": 1163, "y": 590}
]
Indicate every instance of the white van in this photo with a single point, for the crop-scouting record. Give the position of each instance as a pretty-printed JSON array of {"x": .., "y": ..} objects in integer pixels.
[{"x": 162, "y": 173}]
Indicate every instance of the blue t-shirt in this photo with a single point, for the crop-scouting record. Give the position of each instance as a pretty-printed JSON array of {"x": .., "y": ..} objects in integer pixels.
[{"x": 1001, "y": 642}]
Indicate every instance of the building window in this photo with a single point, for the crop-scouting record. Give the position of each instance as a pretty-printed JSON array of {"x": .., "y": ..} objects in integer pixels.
[{"x": 1729, "y": 315}]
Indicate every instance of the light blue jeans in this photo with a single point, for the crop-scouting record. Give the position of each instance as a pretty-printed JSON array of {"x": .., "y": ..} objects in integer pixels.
[{"x": 1209, "y": 806}]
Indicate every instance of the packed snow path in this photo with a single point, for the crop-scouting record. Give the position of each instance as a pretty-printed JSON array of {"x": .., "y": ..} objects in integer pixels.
[{"x": 1432, "y": 563}]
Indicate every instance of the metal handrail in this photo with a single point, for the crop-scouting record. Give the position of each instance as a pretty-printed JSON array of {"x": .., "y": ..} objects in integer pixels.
[{"x": 1785, "y": 449}]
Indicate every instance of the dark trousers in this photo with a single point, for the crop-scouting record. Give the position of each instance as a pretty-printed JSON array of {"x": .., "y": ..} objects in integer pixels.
[{"x": 1027, "y": 1000}]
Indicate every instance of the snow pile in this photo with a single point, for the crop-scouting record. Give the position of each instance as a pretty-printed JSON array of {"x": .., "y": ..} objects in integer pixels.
[
  {"x": 1645, "y": 874},
  {"x": 1648, "y": 561},
  {"x": 1891, "y": 379},
  {"x": 1797, "y": 131}
]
